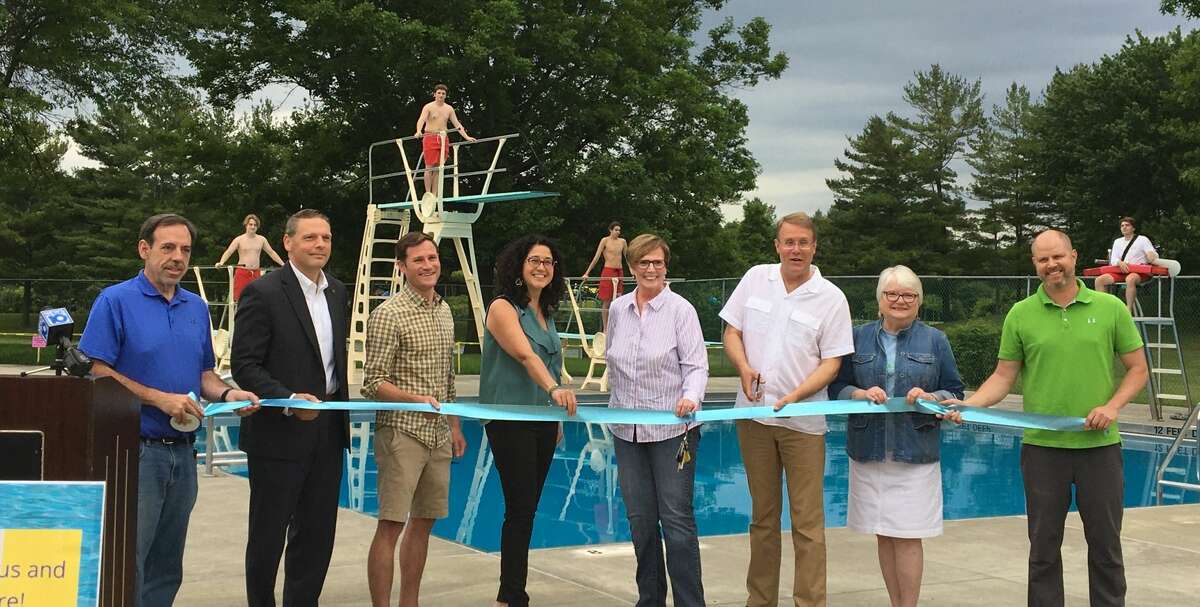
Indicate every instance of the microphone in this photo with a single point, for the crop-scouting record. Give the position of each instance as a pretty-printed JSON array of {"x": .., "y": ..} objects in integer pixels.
[{"x": 56, "y": 326}]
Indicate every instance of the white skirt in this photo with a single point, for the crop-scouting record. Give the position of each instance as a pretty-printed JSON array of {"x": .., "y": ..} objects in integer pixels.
[{"x": 895, "y": 499}]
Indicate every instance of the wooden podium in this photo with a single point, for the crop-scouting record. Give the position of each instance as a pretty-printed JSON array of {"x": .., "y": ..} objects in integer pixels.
[{"x": 90, "y": 429}]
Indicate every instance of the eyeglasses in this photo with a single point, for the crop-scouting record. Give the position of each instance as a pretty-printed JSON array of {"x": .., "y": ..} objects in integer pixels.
[
  {"x": 646, "y": 264},
  {"x": 893, "y": 296},
  {"x": 802, "y": 243},
  {"x": 539, "y": 261}
]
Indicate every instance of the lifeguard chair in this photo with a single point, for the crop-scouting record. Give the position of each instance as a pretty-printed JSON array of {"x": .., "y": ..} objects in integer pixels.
[{"x": 1160, "y": 334}]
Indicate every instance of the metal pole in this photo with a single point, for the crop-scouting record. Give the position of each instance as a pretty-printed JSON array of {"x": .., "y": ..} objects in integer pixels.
[
  {"x": 27, "y": 305},
  {"x": 209, "y": 439}
]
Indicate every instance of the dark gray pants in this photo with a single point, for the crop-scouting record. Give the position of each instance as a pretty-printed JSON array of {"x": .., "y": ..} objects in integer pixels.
[{"x": 1099, "y": 480}]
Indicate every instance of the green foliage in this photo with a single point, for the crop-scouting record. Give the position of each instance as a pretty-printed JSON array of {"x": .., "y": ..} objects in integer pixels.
[
  {"x": 619, "y": 111},
  {"x": 55, "y": 52},
  {"x": 743, "y": 243},
  {"x": 1183, "y": 8},
  {"x": 975, "y": 344},
  {"x": 31, "y": 187},
  {"x": 899, "y": 182},
  {"x": 1116, "y": 138},
  {"x": 1006, "y": 180}
]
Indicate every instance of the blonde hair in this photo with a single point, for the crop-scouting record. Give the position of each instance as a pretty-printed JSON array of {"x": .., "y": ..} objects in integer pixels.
[
  {"x": 798, "y": 219},
  {"x": 643, "y": 244},
  {"x": 903, "y": 277},
  {"x": 246, "y": 220}
]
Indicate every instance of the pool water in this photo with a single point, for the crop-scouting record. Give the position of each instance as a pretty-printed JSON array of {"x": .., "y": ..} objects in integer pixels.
[{"x": 980, "y": 477}]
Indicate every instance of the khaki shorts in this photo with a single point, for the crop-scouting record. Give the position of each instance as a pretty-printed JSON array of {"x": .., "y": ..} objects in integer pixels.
[{"x": 414, "y": 480}]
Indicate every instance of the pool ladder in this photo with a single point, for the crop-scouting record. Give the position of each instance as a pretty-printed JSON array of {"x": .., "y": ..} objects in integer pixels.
[
  {"x": 1186, "y": 433},
  {"x": 1159, "y": 361}
]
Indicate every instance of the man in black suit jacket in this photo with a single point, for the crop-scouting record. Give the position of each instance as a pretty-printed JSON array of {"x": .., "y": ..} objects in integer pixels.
[{"x": 290, "y": 341}]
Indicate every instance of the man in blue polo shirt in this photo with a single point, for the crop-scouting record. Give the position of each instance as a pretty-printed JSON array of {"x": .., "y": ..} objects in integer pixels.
[{"x": 153, "y": 338}]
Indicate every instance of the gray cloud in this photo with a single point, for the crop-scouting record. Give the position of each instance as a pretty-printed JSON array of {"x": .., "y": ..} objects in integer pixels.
[{"x": 850, "y": 59}]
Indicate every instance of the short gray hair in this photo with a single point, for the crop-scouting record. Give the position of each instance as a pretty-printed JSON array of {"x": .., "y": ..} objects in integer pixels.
[
  {"x": 293, "y": 222},
  {"x": 903, "y": 277}
]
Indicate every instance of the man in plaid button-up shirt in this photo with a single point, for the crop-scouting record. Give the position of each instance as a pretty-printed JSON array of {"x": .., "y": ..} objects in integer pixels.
[{"x": 410, "y": 350}]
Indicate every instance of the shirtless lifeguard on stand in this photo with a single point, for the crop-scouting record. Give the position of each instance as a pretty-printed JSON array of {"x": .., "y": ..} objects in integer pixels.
[
  {"x": 249, "y": 247},
  {"x": 431, "y": 128},
  {"x": 612, "y": 247}
]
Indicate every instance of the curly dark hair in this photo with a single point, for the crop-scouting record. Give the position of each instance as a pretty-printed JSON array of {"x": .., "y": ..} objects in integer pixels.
[{"x": 511, "y": 261}]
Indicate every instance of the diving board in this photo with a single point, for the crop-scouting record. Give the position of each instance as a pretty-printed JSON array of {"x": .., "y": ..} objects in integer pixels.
[
  {"x": 389, "y": 219},
  {"x": 478, "y": 199}
]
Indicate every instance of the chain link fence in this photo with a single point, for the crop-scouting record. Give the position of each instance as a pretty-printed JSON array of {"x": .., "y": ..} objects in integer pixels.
[{"x": 948, "y": 300}]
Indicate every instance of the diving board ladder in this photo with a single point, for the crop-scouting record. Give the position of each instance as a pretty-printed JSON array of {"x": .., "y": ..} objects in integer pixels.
[{"x": 388, "y": 221}]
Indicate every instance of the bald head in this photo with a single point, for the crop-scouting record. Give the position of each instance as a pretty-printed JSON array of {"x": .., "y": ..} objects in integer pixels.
[
  {"x": 1050, "y": 236},
  {"x": 1054, "y": 260}
]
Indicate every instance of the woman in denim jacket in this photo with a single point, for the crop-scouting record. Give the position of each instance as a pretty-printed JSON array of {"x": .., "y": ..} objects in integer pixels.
[{"x": 895, "y": 477}]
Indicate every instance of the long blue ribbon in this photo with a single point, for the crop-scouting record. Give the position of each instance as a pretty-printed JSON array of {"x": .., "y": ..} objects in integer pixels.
[{"x": 605, "y": 415}]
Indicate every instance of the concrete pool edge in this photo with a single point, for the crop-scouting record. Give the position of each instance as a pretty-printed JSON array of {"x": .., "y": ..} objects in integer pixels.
[{"x": 975, "y": 557}]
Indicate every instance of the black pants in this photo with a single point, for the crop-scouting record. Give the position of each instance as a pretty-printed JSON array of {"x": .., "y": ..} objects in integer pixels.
[
  {"x": 296, "y": 500},
  {"x": 1099, "y": 480},
  {"x": 523, "y": 452}
]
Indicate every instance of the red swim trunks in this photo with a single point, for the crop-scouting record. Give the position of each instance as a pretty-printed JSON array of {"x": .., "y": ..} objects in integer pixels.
[
  {"x": 431, "y": 145},
  {"x": 241, "y": 278},
  {"x": 607, "y": 289}
]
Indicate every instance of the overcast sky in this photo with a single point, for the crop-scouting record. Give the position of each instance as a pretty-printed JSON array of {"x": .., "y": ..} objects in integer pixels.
[{"x": 849, "y": 59}]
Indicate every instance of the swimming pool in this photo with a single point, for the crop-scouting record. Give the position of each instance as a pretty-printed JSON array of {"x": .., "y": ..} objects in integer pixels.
[{"x": 980, "y": 476}]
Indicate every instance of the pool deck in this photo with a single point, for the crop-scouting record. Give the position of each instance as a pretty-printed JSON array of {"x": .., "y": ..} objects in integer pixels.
[
  {"x": 978, "y": 561},
  {"x": 974, "y": 559}
]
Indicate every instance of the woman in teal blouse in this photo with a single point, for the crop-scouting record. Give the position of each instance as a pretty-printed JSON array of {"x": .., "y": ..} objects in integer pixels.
[{"x": 522, "y": 360}]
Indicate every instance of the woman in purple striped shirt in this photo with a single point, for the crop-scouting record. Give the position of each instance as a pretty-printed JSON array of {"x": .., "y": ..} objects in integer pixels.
[{"x": 656, "y": 360}]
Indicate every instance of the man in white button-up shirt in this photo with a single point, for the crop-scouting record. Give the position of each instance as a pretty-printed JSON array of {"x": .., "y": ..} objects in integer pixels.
[{"x": 787, "y": 330}]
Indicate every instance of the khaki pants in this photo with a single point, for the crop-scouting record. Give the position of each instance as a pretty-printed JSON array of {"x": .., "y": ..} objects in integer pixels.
[{"x": 769, "y": 453}]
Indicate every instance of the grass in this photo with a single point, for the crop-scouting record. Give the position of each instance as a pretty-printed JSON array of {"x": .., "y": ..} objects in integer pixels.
[
  {"x": 16, "y": 351},
  {"x": 10, "y": 322}
]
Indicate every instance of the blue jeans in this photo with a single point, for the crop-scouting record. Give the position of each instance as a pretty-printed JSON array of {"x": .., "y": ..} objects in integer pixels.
[
  {"x": 166, "y": 494},
  {"x": 657, "y": 492}
]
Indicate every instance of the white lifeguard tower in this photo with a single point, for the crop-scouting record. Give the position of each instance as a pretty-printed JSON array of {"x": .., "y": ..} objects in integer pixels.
[{"x": 388, "y": 220}]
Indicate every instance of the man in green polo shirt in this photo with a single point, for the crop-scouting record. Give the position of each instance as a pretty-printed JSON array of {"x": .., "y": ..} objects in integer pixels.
[{"x": 1063, "y": 339}]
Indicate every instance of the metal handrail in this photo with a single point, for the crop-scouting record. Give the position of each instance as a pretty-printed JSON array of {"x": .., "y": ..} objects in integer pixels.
[{"x": 1188, "y": 426}]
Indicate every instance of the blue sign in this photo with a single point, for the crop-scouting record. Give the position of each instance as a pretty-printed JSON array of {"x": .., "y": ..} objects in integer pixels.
[{"x": 50, "y": 538}]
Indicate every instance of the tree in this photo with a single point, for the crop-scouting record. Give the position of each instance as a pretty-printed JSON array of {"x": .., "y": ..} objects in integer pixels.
[
  {"x": 900, "y": 181},
  {"x": 618, "y": 111},
  {"x": 1005, "y": 179},
  {"x": 745, "y": 242},
  {"x": 31, "y": 187},
  {"x": 54, "y": 55},
  {"x": 1117, "y": 137},
  {"x": 879, "y": 187},
  {"x": 1183, "y": 8},
  {"x": 61, "y": 51},
  {"x": 949, "y": 113}
]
